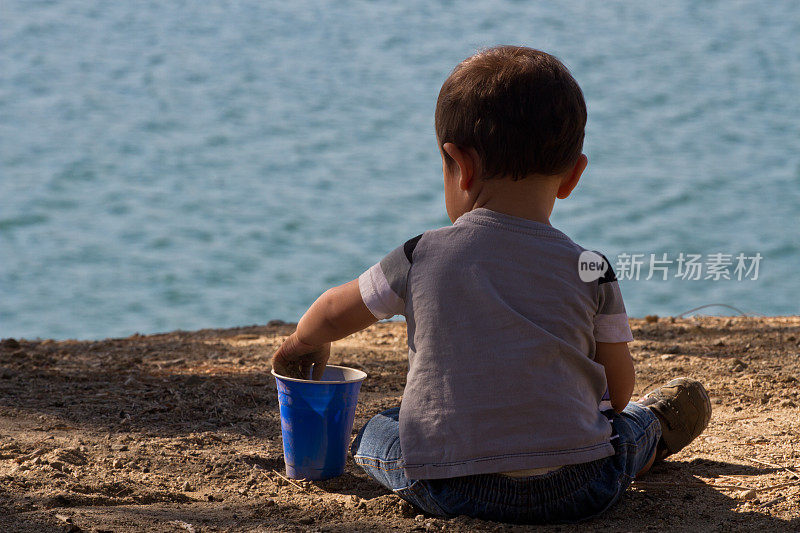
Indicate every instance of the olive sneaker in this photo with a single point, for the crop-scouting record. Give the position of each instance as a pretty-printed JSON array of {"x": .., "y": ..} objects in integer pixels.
[{"x": 683, "y": 408}]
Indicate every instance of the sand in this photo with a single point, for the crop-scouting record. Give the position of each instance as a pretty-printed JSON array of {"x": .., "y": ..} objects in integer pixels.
[{"x": 180, "y": 432}]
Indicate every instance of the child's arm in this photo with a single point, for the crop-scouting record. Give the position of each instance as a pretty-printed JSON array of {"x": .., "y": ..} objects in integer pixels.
[
  {"x": 620, "y": 376},
  {"x": 336, "y": 314}
]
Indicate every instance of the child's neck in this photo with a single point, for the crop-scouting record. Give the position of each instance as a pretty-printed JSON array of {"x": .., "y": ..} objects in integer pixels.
[{"x": 531, "y": 198}]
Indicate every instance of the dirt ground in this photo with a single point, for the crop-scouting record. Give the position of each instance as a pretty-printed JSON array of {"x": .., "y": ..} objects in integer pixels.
[{"x": 181, "y": 432}]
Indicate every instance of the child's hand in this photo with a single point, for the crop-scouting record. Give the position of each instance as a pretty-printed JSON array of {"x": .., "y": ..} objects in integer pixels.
[{"x": 294, "y": 358}]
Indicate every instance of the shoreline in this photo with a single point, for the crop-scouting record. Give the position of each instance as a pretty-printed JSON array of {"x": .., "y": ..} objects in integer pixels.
[{"x": 275, "y": 323}]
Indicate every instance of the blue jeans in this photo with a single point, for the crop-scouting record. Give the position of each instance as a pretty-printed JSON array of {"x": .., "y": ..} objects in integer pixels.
[{"x": 569, "y": 494}]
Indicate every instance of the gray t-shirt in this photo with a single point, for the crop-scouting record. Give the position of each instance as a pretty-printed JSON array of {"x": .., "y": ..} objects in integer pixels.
[{"x": 501, "y": 338}]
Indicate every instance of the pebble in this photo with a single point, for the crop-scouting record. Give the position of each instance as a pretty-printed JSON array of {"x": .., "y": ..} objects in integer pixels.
[
  {"x": 269, "y": 503},
  {"x": 187, "y": 487},
  {"x": 788, "y": 403},
  {"x": 118, "y": 463},
  {"x": 9, "y": 344},
  {"x": 747, "y": 495},
  {"x": 419, "y": 518},
  {"x": 651, "y": 319}
]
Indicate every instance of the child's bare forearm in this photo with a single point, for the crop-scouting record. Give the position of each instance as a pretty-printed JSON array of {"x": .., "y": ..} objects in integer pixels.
[
  {"x": 336, "y": 314},
  {"x": 620, "y": 374}
]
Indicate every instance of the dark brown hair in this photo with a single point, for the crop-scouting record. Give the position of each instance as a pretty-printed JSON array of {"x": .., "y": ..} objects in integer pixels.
[{"x": 519, "y": 108}]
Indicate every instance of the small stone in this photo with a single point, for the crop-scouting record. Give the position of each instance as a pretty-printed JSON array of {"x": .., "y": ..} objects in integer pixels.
[
  {"x": 719, "y": 343},
  {"x": 118, "y": 463},
  {"x": 788, "y": 403},
  {"x": 306, "y": 520},
  {"x": 738, "y": 365},
  {"x": 269, "y": 503},
  {"x": 673, "y": 349},
  {"x": 667, "y": 357},
  {"x": 9, "y": 344},
  {"x": 747, "y": 495},
  {"x": 419, "y": 518},
  {"x": 651, "y": 319},
  {"x": 186, "y": 487},
  {"x": 119, "y": 448}
]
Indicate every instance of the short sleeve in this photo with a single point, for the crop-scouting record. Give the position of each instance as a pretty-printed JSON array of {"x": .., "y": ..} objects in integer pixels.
[
  {"x": 383, "y": 287},
  {"x": 611, "y": 320}
]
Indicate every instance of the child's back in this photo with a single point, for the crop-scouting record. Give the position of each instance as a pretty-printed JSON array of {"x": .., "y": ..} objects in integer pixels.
[{"x": 501, "y": 334}]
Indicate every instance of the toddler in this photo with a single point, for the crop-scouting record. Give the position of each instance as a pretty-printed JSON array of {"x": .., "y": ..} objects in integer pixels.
[{"x": 517, "y": 402}]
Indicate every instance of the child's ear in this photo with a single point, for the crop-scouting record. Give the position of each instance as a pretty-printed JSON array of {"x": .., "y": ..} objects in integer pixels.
[
  {"x": 465, "y": 163},
  {"x": 571, "y": 178}
]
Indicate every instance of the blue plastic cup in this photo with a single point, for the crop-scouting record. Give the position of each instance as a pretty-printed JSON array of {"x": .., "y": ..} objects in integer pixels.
[{"x": 316, "y": 421}]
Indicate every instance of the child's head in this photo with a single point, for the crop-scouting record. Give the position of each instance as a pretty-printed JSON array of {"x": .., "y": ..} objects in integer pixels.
[{"x": 519, "y": 109}]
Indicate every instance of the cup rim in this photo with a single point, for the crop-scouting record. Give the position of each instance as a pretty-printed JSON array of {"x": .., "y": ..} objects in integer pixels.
[{"x": 361, "y": 376}]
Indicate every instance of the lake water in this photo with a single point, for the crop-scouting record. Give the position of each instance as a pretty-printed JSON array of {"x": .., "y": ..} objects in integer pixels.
[{"x": 190, "y": 164}]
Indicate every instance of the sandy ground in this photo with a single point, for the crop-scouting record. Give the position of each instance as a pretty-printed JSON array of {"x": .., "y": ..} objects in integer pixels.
[{"x": 180, "y": 432}]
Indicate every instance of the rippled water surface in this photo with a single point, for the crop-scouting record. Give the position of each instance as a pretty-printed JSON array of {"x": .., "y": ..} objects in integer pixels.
[{"x": 192, "y": 164}]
